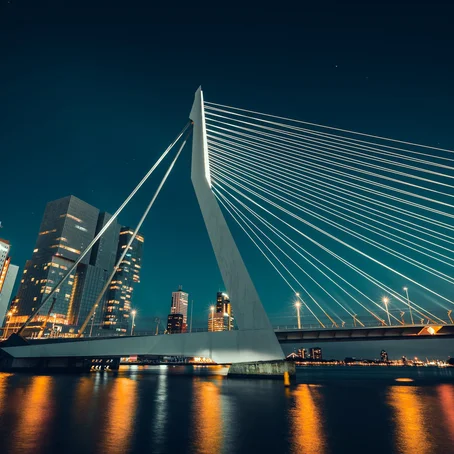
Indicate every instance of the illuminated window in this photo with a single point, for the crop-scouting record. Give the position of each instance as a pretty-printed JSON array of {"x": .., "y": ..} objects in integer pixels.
[
  {"x": 47, "y": 231},
  {"x": 35, "y": 250},
  {"x": 70, "y": 216}
]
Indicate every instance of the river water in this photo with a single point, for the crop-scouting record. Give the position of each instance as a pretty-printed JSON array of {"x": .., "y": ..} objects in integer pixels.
[{"x": 163, "y": 409}]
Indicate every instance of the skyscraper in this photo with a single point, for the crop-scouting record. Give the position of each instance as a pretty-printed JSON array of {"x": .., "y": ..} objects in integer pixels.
[
  {"x": 117, "y": 310},
  {"x": 221, "y": 319},
  {"x": 179, "y": 305},
  {"x": 8, "y": 273},
  {"x": 91, "y": 278},
  {"x": 67, "y": 227}
]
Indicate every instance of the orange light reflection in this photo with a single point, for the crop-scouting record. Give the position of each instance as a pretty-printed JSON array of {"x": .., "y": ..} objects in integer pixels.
[
  {"x": 3, "y": 382},
  {"x": 307, "y": 423},
  {"x": 34, "y": 415},
  {"x": 116, "y": 438},
  {"x": 410, "y": 433},
  {"x": 446, "y": 395},
  {"x": 208, "y": 434}
]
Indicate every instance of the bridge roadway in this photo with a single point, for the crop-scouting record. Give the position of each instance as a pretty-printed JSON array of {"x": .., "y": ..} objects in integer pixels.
[
  {"x": 293, "y": 335},
  {"x": 399, "y": 332}
]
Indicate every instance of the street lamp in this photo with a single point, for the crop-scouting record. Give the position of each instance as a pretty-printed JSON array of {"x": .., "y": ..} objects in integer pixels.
[
  {"x": 133, "y": 313},
  {"x": 298, "y": 306},
  {"x": 212, "y": 318},
  {"x": 386, "y": 301},
  {"x": 92, "y": 322},
  {"x": 409, "y": 305}
]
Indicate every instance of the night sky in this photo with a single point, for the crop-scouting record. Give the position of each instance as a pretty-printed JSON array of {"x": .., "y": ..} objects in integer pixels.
[{"x": 90, "y": 98}]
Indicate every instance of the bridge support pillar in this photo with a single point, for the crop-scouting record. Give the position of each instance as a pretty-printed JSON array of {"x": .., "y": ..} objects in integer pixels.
[{"x": 263, "y": 369}]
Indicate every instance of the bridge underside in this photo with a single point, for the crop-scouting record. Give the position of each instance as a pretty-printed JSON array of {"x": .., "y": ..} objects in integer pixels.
[
  {"x": 222, "y": 347},
  {"x": 366, "y": 334}
]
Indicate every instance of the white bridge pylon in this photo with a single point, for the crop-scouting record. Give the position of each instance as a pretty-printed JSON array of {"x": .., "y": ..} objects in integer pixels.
[{"x": 249, "y": 312}]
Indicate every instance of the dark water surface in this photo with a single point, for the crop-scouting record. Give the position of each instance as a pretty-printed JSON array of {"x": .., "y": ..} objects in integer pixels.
[{"x": 160, "y": 409}]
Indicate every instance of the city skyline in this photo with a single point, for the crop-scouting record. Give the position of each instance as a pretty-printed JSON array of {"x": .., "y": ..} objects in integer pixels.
[{"x": 143, "y": 120}]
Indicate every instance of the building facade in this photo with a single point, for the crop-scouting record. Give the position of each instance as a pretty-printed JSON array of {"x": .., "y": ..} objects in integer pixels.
[
  {"x": 179, "y": 305},
  {"x": 221, "y": 318},
  {"x": 8, "y": 274},
  {"x": 175, "y": 323},
  {"x": 68, "y": 226},
  {"x": 117, "y": 310},
  {"x": 315, "y": 353}
]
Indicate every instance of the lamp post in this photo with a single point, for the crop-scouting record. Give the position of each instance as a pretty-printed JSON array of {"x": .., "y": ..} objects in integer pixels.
[
  {"x": 133, "y": 313},
  {"x": 92, "y": 321},
  {"x": 409, "y": 305},
  {"x": 386, "y": 301},
  {"x": 298, "y": 306},
  {"x": 192, "y": 310},
  {"x": 212, "y": 318}
]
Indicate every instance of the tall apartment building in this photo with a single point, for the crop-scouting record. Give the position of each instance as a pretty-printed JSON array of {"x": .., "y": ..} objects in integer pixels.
[
  {"x": 8, "y": 273},
  {"x": 177, "y": 320},
  {"x": 179, "y": 304},
  {"x": 221, "y": 317},
  {"x": 117, "y": 313},
  {"x": 67, "y": 227}
]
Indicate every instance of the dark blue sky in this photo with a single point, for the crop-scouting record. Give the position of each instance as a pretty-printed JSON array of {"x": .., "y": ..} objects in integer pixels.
[{"x": 90, "y": 98}]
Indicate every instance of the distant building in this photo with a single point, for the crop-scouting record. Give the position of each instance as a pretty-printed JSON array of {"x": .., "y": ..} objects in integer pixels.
[
  {"x": 8, "y": 274},
  {"x": 315, "y": 353},
  {"x": 384, "y": 356},
  {"x": 221, "y": 317},
  {"x": 179, "y": 305},
  {"x": 224, "y": 307},
  {"x": 175, "y": 323},
  {"x": 302, "y": 353},
  {"x": 117, "y": 311}
]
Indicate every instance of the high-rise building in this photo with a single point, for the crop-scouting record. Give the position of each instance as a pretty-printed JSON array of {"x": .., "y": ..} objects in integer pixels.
[
  {"x": 179, "y": 305},
  {"x": 4, "y": 261},
  {"x": 315, "y": 353},
  {"x": 384, "y": 356},
  {"x": 117, "y": 310},
  {"x": 302, "y": 353},
  {"x": 174, "y": 323},
  {"x": 221, "y": 318},
  {"x": 67, "y": 228},
  {"x": 91, "y": 278},
  {"x": 8, "y": 273}
]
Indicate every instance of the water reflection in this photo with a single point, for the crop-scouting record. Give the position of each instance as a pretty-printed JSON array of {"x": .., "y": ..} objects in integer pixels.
[
  {"x": 307, "y": 424},
  {"x": 119, "y": 426},
  {"x": 3, "y": 388},
  {"x": 160, "y": 419},
  {"x": 411, "y": 434},
  {"x": 35, "y": 414},
  {"x": 208, "y": 424},
  {"x": 446, "y": 396}
]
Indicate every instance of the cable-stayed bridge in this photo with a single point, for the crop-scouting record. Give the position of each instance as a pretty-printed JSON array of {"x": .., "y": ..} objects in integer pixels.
[{"x": 352, "y": 223}]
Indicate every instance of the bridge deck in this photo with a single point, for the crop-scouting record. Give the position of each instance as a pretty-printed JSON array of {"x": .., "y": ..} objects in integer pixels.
[{"x": 366, "y": 334}]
